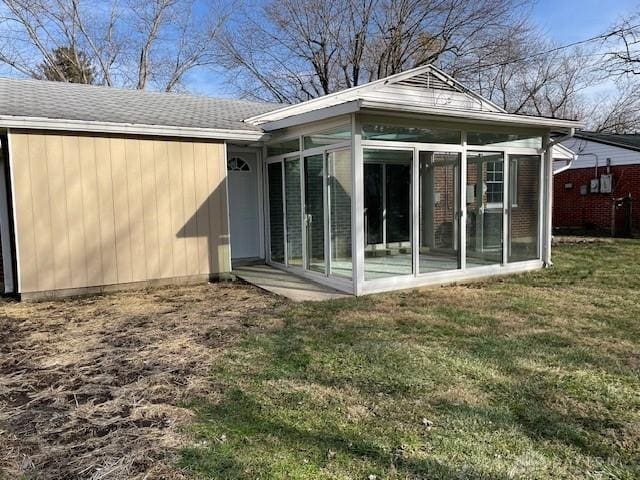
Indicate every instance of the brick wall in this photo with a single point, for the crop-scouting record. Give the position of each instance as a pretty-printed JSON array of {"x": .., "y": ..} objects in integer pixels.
[{"x": 571, "y": 209}]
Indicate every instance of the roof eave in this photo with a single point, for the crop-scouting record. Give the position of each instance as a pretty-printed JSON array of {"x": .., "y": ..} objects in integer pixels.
[
  {"x": 469, "y": 115},
  {"x": 611, "y": 143},
  {"x": 313, "y": 116},
  {"x": 437, "y": 113},
  {"x": 41, "y": 123}
]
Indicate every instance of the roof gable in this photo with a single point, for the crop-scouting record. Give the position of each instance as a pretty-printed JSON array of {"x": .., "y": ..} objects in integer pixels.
[{"x": 426, "y": 86}]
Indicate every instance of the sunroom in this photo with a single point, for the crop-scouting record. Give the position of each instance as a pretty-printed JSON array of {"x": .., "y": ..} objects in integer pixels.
[{"x": 406, "y": 182}]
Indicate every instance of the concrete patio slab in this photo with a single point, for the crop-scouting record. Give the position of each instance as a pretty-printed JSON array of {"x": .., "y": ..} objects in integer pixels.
[{"x": 286, "y": 284}]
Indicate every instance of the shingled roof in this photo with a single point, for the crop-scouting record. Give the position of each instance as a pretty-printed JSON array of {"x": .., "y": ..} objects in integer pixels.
[
  {"x": 69, "y": 101},
  {"x": 630, "y": 141}
]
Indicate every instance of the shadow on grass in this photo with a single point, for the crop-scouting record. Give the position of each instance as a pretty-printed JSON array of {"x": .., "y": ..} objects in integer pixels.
[
  {"x": 540, "y": 384},
  {"x": 240, "y": 414}
]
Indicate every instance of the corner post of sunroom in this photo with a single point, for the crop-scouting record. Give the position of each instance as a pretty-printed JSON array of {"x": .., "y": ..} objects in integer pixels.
[
  {"x": 547, "y": 227},
  {"x": 357, "y": 206}
]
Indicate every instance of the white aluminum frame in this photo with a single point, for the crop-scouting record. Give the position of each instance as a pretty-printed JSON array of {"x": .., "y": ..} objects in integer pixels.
[{"x": 357, "y": 284}]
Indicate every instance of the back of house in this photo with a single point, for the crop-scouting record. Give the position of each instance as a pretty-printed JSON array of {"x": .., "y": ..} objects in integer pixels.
[{"x": 405, "y": 181}]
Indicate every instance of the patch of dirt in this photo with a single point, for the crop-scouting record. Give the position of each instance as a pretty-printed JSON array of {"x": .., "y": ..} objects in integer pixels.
[{"x": 93, "y": 387}]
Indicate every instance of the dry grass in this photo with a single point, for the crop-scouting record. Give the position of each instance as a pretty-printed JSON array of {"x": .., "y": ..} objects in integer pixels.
[{"x": 92, "y": 388}]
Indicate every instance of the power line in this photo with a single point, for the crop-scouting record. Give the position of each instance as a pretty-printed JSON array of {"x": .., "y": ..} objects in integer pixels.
[{"x": 602, "y": 36}]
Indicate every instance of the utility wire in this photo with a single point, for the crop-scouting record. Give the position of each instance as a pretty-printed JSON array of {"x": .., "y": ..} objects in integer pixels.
[{"x": 602, "y": 36}]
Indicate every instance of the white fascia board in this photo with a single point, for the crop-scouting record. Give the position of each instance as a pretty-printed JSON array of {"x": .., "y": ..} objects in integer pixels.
[
  {"x": 475, "y": 116},
  {"x": 313, "y": 116},
  {"x": 38, "y": 123}
]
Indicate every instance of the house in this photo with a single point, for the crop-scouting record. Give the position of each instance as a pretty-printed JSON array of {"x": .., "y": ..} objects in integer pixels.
[
  {"x": 600, "y": 189},
  {"x": 405, "y": 181}
]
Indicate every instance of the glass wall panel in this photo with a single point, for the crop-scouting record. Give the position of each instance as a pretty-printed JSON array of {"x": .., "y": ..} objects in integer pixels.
[
  {"x": 282, "y": 148},
  {"x": 294, "y": 211},
  {"x": 276, "y": 212},
  {"x": 329, "y": 137},
  {"x": 340, "y": 194},
  {"x": 439, "y": 211},
  {"x": 387, "y": 194},
  {"x": 314, "y": 211},
  {"x": 400, "y": 133},
  {"x": 485, "y": 210},
  {"x": 373, "y": 203},
  {"x": 524, "y": 207},
  {"x": 504, "y": 139}
]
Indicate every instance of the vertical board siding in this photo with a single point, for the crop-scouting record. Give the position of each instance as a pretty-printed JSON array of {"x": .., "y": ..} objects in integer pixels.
[
  {"x": 189, "y": 191},
  {"x": 59, "y": 222},
  {"x": 72, "y": 198},
  {"x": 104, "y": 210},
  {"x": 121, "y": 210}
]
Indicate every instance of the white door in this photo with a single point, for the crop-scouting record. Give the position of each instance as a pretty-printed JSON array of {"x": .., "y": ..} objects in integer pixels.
[{"x": 242, "y": 170}]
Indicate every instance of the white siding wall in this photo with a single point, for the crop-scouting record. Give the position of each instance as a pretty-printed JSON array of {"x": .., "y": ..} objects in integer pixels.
[{"x": 618, "y": 155}]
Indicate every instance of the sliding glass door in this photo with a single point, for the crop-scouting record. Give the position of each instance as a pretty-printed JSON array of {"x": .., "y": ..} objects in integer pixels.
[
  {"x": 310, "y": 212},
  {"x": 524, "y": 207},
  {"x": 293, "y": 202},
  {"x": 485, "y": 208},
  {"x": 387, "y": 214},
  {"x": 340, "y": 187},
  {"x": 439, "y": 212},
  {"x": 314, "y": 218}
]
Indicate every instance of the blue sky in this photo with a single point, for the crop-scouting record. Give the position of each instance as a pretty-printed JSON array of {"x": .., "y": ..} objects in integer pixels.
[{"x": 568, "y": 21}]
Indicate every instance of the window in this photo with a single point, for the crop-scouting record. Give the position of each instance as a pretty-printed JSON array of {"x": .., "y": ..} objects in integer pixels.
[
  {"x": 237, "y": 164},
  {"x": 288, "y": 146},
  {"x": 329, "y": 137},
  {"x": 494, "y": 182},
  {"x": 504, "y": 139},
  {"x": 400, "y": 133}
]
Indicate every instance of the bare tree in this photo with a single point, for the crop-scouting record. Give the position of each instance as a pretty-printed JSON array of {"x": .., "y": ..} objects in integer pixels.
[
  {"x": 151, "y": 44},
  {"x": 524, "y": 74},
  {"x": 617, "y": 111},
  {"x": 622, "y": 43},
  {"x": 293, "y": 50}
]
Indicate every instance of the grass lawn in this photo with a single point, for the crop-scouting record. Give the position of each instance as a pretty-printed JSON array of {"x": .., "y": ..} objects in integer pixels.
[{"x": 532, "y": 376}]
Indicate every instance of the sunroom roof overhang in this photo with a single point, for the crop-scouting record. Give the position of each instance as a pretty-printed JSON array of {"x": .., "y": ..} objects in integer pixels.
[{"x": 424, "y": 113}]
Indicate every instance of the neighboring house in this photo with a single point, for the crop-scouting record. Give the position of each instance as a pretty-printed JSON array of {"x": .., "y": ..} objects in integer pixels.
[
  {"x": 600, "y": 189},
  {"x": 360, "y": 190}
]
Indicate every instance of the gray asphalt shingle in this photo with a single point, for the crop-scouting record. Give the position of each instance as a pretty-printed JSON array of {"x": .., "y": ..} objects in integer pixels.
[{"x": 67, "y": 101}]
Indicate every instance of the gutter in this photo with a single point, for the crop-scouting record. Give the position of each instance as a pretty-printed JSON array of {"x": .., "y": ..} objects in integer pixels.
[
  {"x": 43, "y": 123},
  {"x": 549, "y": 146}
]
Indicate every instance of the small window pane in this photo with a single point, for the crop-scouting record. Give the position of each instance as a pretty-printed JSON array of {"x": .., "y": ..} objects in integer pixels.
[
  {"x": 398, "y": 133},
  {"x": 237, "y": 164},
  {"x": 504, "y": 139},
  {"x": 335, "y": 135},
  {"x": 289, "y": 146}
]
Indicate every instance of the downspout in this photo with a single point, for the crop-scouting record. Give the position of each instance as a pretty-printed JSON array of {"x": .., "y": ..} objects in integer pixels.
[{"x": 546, "y": 151}]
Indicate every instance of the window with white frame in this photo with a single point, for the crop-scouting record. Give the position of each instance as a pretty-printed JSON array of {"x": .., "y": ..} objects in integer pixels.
[{"x": 495, "y": 182}]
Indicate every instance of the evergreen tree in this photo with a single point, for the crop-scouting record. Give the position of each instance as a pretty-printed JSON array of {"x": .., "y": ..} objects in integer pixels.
[{"x": 67, "y": 64}]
